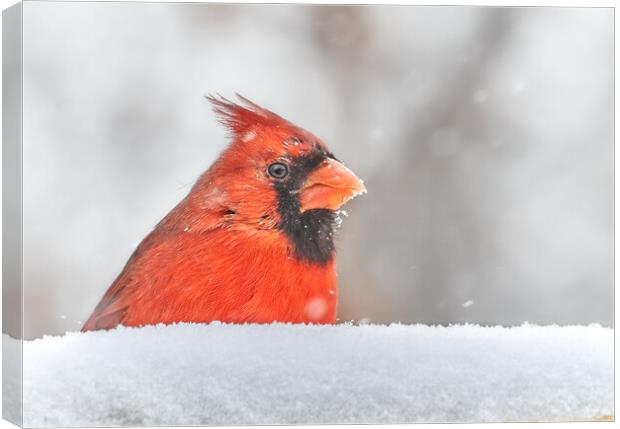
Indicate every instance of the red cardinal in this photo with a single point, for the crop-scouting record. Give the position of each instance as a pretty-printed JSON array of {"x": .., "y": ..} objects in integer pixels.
[{"x": 251, "y": 242}]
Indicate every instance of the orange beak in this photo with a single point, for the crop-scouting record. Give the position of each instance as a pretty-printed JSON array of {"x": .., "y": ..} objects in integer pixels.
[{"x": 329, "y": 186}]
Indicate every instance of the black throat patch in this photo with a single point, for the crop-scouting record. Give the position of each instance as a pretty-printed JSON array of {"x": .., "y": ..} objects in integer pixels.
[{"x": 311, "y": 232}]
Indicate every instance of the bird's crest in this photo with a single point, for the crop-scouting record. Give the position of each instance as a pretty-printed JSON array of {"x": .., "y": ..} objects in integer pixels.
[{"x": 241, "y": 120}]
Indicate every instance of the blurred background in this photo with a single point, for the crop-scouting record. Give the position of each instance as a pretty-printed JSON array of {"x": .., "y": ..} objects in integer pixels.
[{"x": 484, "y": 137}]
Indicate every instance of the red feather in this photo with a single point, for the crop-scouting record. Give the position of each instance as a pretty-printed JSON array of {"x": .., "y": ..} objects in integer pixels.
[{"x": 224, "y": 252}]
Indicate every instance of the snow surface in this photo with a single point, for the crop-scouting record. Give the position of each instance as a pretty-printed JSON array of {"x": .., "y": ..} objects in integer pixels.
[{"x": 269, "y": 374}]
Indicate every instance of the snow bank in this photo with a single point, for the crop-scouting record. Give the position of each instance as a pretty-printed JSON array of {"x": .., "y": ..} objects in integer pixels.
[{"x": 249, "y": 374}]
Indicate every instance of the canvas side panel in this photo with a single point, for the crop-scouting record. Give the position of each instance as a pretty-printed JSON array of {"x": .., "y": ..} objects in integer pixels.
[{"x": 12, "y": 309}]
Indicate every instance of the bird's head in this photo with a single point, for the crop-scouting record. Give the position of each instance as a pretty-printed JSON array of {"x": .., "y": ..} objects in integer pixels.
[{"x": 276, "y": 176}]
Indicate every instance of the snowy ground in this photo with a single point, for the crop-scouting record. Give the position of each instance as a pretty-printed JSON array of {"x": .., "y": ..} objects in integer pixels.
[{"x": 269, "y": 374}]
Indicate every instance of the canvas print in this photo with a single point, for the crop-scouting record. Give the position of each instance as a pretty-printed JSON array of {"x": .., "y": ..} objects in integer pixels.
[{"x": 234, "y": 214}]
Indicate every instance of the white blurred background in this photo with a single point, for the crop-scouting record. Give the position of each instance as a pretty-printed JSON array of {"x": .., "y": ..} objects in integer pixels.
[{"x": 484, "y": 136}]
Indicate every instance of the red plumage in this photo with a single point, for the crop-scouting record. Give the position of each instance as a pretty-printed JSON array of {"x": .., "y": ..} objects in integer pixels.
[{"x": 247, "y": 244}]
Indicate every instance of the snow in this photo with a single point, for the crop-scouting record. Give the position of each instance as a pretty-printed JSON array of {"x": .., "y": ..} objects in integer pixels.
[{"x": 190, "y": 374}]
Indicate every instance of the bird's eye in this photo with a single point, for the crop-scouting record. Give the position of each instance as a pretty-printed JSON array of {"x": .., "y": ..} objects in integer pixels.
[{"x": 278, "y": 170}]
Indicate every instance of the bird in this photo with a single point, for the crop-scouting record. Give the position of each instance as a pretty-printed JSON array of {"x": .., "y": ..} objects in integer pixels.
[{"x": 253, "y": 240}]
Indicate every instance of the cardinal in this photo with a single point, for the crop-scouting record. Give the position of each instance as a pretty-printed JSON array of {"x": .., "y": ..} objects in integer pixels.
[{"x": 252, "y": 242}]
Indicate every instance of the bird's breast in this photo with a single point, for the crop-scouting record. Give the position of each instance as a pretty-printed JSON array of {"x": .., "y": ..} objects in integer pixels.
[{"x": 284, "y": 286}]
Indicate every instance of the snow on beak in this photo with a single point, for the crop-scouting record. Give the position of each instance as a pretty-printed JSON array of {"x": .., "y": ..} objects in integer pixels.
[{"x": 330, "y": 186}]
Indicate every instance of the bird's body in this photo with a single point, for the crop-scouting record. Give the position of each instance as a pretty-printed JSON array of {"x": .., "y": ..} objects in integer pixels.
[
  {"x": 219, "y": 277},
  {"x": 252, "y": 241}
]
